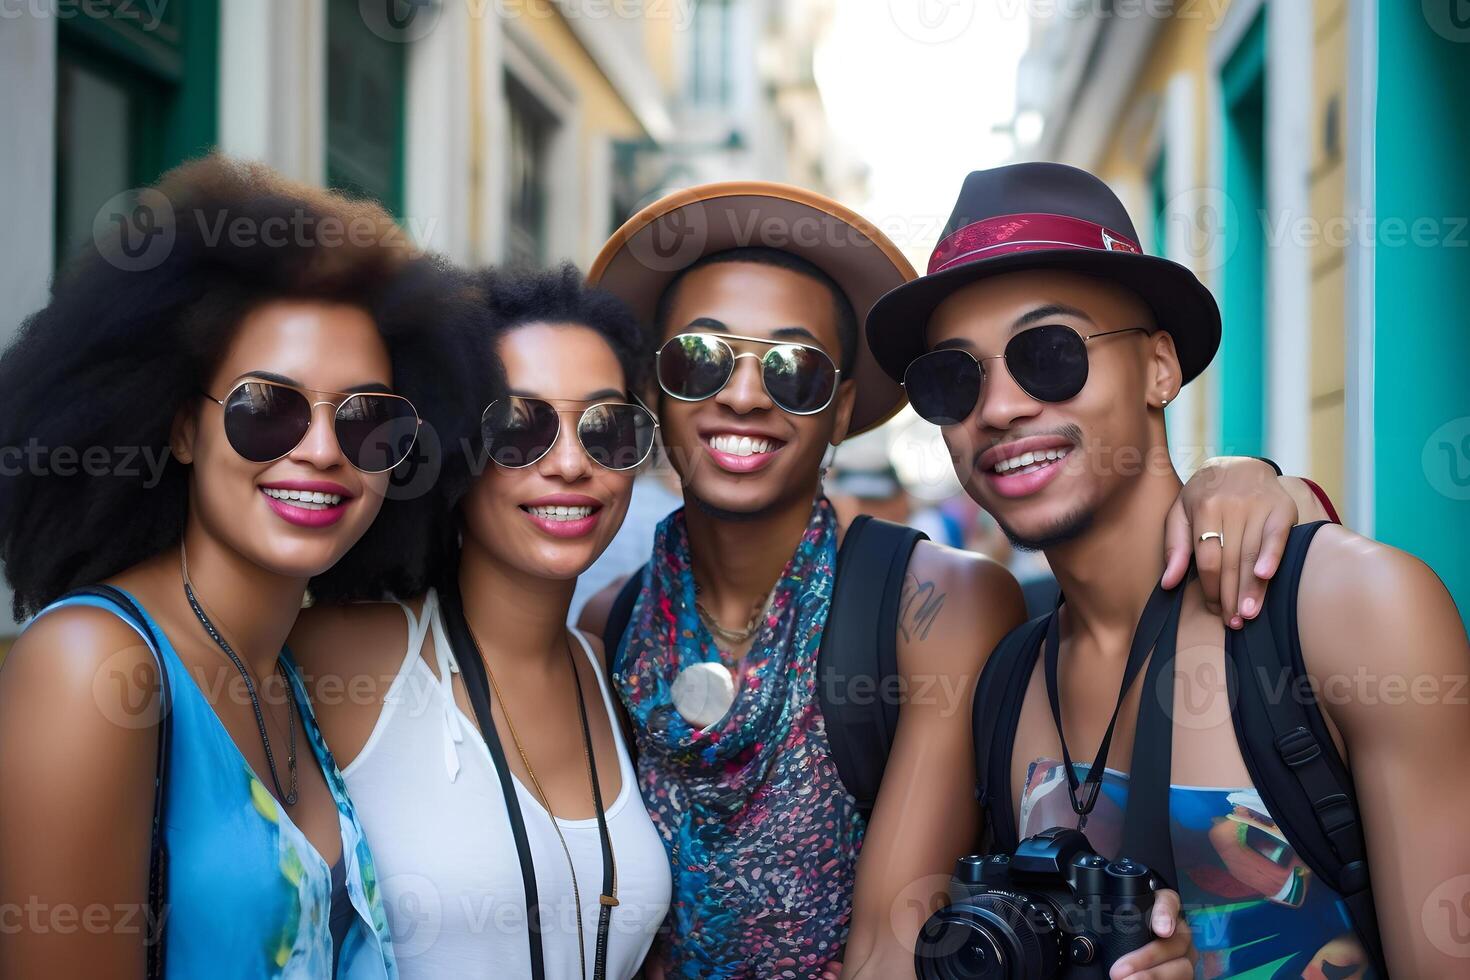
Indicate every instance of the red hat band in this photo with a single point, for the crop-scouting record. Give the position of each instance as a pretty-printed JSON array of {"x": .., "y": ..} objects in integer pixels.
[{"x": 1025, "y": 233}]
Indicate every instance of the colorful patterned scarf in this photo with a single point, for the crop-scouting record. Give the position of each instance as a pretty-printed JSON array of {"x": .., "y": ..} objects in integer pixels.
[{"x": 762, "y": 837}]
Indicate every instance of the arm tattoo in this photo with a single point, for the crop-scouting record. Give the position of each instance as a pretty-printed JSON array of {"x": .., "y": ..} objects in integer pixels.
[{"x": 918, "y": 606}]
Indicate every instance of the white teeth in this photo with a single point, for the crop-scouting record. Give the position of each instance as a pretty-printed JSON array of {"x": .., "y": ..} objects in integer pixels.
[
  {"x": 1032, "y": 459},
  {"x": 740, "y": 445},
  {"x": 305, "y": 499},
  {"x": 561, "y": 513}
]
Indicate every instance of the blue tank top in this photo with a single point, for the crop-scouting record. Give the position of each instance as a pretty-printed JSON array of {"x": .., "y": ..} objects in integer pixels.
[
  {"x": 248, "y": 894},
  {"x": 1256, "y": 910}
]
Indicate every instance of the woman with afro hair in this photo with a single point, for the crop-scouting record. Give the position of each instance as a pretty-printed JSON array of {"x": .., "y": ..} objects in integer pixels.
[{"x": 200, "y": 441}]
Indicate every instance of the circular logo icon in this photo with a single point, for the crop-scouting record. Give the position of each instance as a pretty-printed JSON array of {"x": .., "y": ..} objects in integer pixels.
[
  {"x": 674, "y": 241},
  {"x": 1196, "y": 694},
  {"x": 1201, "y": 228},
  {"x": 126, "y": 689},
  {"x": 1450, "y": 19},
  {"x": 1446, "y": 459},
  {"x": 134, "y": 231},
  {"x": 420, "y": 469},
  {"x": 418, "y": 914},
  {"x": 932, "y": 21},
  {"x": 400, "y": 21},
  {"x": 917, "y": 902},
  {"x": 1446, "y": 917}
]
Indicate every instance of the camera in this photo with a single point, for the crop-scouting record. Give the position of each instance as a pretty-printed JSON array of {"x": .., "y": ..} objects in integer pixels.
[{"x": 1054, "y": 908}]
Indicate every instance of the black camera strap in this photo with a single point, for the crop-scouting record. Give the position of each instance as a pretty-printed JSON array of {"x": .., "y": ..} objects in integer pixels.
[
  {"x": 1146, "y": 835},
  {"x": 1163, "y": 605}
]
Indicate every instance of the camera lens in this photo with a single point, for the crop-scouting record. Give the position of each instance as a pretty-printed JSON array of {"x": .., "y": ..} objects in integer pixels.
[{"x": 993, "y": 936}]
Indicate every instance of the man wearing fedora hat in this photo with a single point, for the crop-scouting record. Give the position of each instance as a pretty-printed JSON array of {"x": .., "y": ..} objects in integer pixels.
[
  {"x": 757, "y": 769},
  {"x": 1266, "y": 768}
]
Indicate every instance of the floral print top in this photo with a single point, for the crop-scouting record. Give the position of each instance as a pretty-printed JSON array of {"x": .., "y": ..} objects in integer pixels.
[{"x": 248, "y": 894}]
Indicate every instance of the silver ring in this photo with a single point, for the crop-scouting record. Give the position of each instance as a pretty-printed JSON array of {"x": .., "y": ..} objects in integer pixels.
[{"x": 1213, "y": 534}]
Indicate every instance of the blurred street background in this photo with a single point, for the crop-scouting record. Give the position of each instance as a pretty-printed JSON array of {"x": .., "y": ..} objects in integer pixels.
[{"x": 1307, "y": 158}]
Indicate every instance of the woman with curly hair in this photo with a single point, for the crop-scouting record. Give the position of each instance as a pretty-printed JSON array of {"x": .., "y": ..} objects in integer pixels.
[
  {"x": 481, "y": 743},
  {"x": 202, "y": 440}
]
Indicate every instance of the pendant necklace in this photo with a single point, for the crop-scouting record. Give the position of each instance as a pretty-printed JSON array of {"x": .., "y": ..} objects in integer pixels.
[
  {"x": 289, "y": 798},
  {"x": 704, "y": 692}
]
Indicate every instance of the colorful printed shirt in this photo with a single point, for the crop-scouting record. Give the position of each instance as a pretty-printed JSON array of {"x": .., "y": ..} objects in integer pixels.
[{"x": 1256, "y": 911}]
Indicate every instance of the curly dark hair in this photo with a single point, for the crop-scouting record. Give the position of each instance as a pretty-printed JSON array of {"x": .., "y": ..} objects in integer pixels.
[
  {"x": 105, "y": 367},
  {"x": 842, "y": 311},
  {"x": 515, "y": 298}
]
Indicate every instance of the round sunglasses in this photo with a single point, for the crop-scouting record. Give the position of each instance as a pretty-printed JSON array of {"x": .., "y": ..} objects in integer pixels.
[
  {"x": 1048, "y": 362},
  {"x": 519, "y": 430},
  {"x": 799, "y": 378},
  {"x": 266, "y": 420}
]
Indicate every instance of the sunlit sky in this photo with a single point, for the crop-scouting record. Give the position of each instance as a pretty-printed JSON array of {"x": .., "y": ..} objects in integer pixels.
[{"x": 914, "y": 89}]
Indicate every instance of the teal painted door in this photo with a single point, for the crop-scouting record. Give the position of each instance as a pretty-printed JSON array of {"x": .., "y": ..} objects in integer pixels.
[
  {"x": 1421, "y": 363},
  {"x": 366, "y": 76},
  {"x": 1242, "y": 387},
  {"x": 134, "y": 97}
]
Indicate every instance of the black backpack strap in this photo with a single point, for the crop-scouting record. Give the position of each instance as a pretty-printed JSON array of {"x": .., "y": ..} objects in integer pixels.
[
  {"x": 472, "y": 669},
  {"x": 620, "y": 615},
  {"x": 1289, "y": 752},
  {"x": 614, "y": 635},
  {"x": 999, "y": 695},
  {"x": 158, "y": 848},
  {"x": 857, "y": 665}
]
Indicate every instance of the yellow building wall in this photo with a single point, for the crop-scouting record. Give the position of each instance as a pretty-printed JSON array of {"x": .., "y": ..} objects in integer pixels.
[
  {"x": 1329, "y": 324},
  {"x": 1182, "y": 46}
]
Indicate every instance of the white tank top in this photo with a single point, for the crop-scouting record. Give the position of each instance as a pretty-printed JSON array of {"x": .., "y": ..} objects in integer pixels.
[{"x": 430, "y": 802}]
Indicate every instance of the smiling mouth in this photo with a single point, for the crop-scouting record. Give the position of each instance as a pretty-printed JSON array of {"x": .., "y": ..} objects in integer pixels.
[
  {"x": 560, "y": 512},
  {"x": 742, "y": 445},
  {"x": 1029, "y": 462},
  {"x": 305, "y": 499}
]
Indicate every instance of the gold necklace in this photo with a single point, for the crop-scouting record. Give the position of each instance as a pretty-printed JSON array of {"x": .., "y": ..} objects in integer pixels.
[{"x": 546, "y": 803}]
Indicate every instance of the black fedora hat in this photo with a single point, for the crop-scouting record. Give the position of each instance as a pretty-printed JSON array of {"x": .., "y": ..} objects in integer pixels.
[{"x": 1043, "y": 216}]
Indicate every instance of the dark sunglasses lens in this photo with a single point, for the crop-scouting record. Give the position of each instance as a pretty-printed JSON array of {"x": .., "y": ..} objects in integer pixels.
[
  {"x": 943, "y": 386},
  {"x": 1048, "y": 362},
  {"x": 264, "y": 421},
  {"x": 799, "y": 379},
  {"x": 519, "y": 431},
  {"x": 694, "y": 366},
  {"x": 376, "y": 432},
  {"x": 618, "y": 437}
]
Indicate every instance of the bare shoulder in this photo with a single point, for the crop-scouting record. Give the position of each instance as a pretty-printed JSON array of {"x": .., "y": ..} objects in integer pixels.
[
  {"x": 593, "y": 618},
  {"x": 355, "y": 639},
  {"x": 82, "y": 682},
  {"x": 1363, "y": 603},
  {"x": 955, "y": 605},
  {"x": 75, "y": 649}
]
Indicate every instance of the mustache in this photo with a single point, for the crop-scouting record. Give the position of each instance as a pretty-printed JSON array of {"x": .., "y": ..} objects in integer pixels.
[{"x": 1070, "y": 431}]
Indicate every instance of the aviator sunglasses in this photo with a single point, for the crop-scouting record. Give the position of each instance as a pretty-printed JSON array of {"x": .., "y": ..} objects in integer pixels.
[
  {"x": 266, "y": 420},
  {"x": 1048, "y": 362},
  {"x": 520, "y": 430},
  {"x": 799, "y": 378}
]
